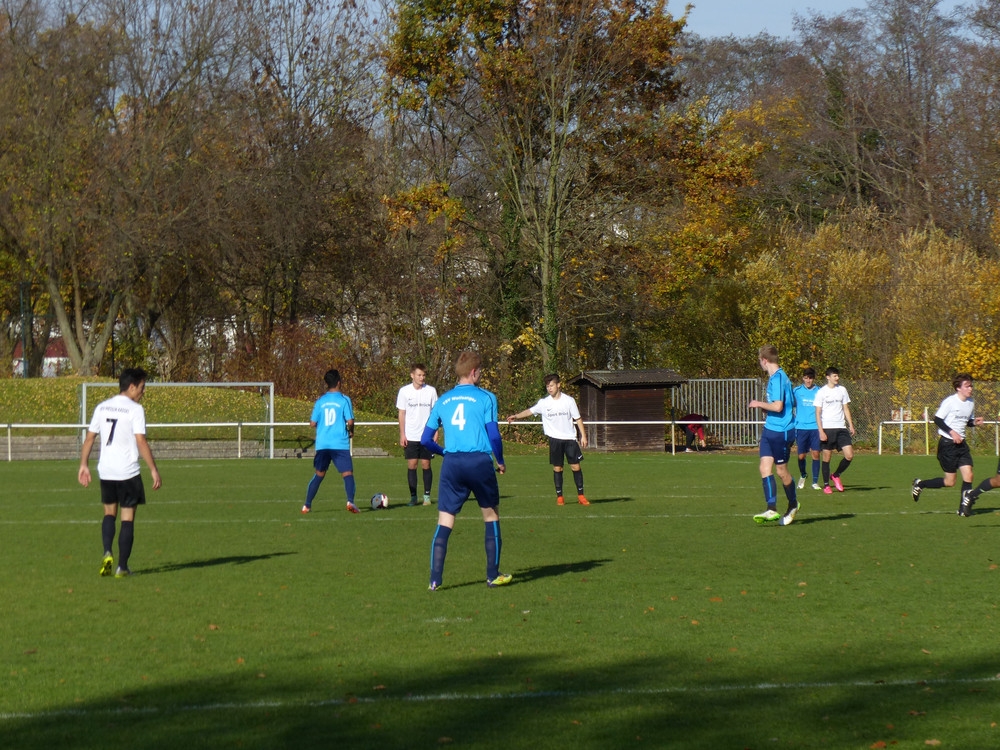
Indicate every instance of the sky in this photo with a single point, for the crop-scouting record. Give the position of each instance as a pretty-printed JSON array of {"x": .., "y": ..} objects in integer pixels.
[
  {"x": 745, "y": 18},
  {"x": 711, "y": 18}
]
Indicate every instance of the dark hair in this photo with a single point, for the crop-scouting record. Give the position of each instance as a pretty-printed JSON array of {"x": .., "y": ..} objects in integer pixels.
[
  {"x": 332, "y": 378},
  {"x": 551, "y": 377},
  {"x": 418, "y": 366},
  {"x": 131, "y": 376},
  {"x": 809, "y": 372},
  {"x": 832, "y": 371},
  {"x": 959, "y": 379}
]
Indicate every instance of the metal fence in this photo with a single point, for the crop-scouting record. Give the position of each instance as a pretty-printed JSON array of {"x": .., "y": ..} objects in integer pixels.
[{"x": 887, "y": 414}]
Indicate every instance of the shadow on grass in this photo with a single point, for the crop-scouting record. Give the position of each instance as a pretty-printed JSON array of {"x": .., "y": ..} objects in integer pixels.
[
  {"x": 820, "y": 519},
  {"x": 670, "y": 700},
  {"x": 211, "y": 562},
  {"x": 603, "y": 500},
  {"x": 526, "y": 575}
]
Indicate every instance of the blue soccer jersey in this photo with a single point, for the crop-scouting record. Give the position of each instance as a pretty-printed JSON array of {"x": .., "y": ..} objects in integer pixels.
[
  {"x": 779, "y": 388},
  {"x": 463, "y": 413},
  {"x": 331, "y": 414},
  {"x": 805, "y": 409}
]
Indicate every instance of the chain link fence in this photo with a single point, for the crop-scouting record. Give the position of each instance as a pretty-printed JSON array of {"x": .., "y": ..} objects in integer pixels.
[{"x": 886, "y": 413}]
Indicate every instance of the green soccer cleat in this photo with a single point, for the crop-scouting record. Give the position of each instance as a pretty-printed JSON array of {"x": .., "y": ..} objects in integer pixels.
[
  {"x": 502, "y": 579},
  {"x": 768, "y": 516},
  {"x": 123, "y": 573},
  {"x": 107, "y": 565}
]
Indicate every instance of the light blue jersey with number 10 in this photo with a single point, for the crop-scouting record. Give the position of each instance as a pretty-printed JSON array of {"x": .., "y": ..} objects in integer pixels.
[
  {"x": 331, "y": 414},
  {"x": 463, "y": 413}
]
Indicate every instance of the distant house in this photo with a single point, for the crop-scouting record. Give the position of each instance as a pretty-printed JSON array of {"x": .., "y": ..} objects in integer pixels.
[
  {"x": 625, "y": 396},
  {"x": 56, "y": 361}
]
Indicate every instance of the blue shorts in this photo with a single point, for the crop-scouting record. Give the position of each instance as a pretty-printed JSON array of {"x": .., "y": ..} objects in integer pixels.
[
  {"x": 464, "y": 474},
  {"x": 341, "y": 459},
  {"x": 807, "y": 440},
  {"x": 776, "y": 445}
]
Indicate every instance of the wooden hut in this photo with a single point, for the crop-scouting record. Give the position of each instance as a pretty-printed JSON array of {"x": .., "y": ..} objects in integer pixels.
[{"x": 625, "y": 396}]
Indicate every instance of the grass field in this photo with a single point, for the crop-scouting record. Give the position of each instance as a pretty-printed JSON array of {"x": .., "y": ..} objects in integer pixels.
[{"x": 661, "y": 616}]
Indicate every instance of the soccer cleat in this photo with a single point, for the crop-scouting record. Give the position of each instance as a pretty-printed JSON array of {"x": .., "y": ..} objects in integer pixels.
[
  {"x": 413, "y": 500},
  {"x": 427, "y": 498},
  {"x": 107, "y": 565},
  {"x": 582, "y": 499},
  {"x": 802, "y": 483},
  {"x": 353, "y": 508},
  {"x": 965, "y": 509},
  {"x": 502, "y": 579},
  {"x": 122, "y": 573},
  {"x": 816, "y": 486},
  {"x": 434, "y": 586},
  {"x": 560, "y": 500},
  {"x": 917, "y": 489},
  {"x": 306, "y": 509},
  {"x": 786, "y": 520},
  {"x": 837, "y": 483},
  {"x": 768, "y": 516},
  {"x": 827, "y": 490}
]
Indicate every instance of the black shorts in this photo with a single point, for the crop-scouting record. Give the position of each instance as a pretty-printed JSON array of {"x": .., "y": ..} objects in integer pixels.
[
  {"x": 128, "y": 493},
  {"x": 415, "y": 449},
  {"x": 837, "y": 438},
  {"x": 560, "y": 448},
  {"x": 952, "y": 455}
]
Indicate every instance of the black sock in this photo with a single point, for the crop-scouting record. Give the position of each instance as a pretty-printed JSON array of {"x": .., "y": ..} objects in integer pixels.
[
  {"x": 108, "y": 532},
  {"x": 125, "y": 543},
  {"x": 844, "y": 463},
  {"x": 557, "y": 478},
  {"x": 411, "y": 480},
  {"x": 578, "y": 479},
  {"x": 428, "y": 480},
  {"x": 931, "y": 484},
  {"x": 826, "y": 472}
]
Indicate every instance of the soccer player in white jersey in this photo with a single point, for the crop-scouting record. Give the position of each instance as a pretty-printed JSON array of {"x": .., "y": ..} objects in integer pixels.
[
  {"x": 836, "y": 427},
  {"x": 414, "y": 403},
  {"x": 956, "y": 413},
  {"x": 121, "y": 424},
  {"x": 560, "y": 421}
]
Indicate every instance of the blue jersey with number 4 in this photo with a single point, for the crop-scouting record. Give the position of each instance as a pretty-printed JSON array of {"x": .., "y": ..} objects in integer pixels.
[
  {"x": 463, "y": 413},
  {"x": 331, "y": 414}
]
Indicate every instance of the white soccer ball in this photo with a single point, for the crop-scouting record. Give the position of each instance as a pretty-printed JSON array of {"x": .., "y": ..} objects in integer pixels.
[{"x": 379, "y": 501}]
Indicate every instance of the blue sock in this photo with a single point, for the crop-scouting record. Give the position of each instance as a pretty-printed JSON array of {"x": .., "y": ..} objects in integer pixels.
[
  {"x": 350, "y": 487},
  {"x": 802, "y": 467},
  {"x": 314, "y": 484},
  {"x": 439, "y": 548},
  {"x": 770, "y": 492},
  {"x": 815, "y": 472},
  {"x": 493, "y": 544},
  {"x": 790, "y": 494}
]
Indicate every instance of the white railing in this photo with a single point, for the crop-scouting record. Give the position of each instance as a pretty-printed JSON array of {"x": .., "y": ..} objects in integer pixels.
[{"x": 901, "y": 423}]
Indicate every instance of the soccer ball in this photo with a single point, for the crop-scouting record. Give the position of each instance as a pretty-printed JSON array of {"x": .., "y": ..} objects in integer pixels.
[{"x": 380, "y": 501}]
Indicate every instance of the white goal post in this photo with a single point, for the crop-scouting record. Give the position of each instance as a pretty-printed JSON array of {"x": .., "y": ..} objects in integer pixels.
[{"x": 84, "y": 413}]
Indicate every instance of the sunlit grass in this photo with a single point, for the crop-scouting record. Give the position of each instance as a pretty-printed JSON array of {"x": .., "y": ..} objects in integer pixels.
[{"x": 660, "y": 616}]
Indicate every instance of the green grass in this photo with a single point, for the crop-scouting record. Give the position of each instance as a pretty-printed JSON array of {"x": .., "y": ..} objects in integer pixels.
[{"x": 661, "y": 616}]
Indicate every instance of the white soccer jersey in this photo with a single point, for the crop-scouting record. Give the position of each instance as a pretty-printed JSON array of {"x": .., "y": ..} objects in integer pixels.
[
  {"x": 417, "y": 403},
  {"x": 831, "y": 402},
  {"x": 118, "y": 420},
  {"x": 956, "y": 413},
  {"x": 558, "y": 415}
]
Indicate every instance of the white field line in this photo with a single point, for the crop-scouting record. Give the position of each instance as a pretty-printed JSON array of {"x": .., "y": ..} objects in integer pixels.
[
  {"x": 452, "y": 697},
  {"x": 385, "y": 518}
]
